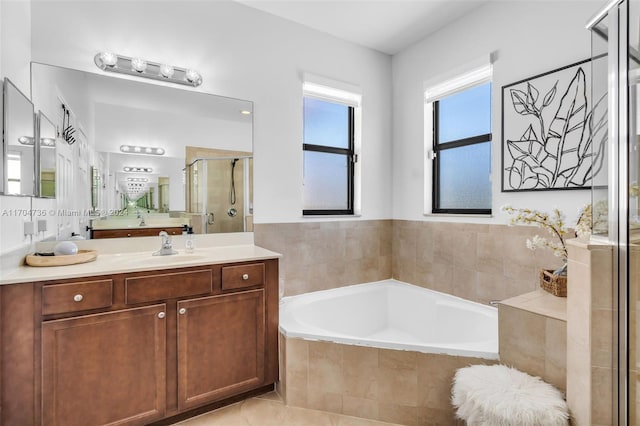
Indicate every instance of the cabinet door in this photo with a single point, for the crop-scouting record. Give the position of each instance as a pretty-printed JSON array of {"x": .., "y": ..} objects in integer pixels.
[
  {"x": 105, "y": 369},
  {"x": 221, "y": 341}
]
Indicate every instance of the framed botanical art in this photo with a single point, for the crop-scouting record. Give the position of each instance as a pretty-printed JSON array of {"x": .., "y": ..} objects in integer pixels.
[{"x": 553, "y": 135}]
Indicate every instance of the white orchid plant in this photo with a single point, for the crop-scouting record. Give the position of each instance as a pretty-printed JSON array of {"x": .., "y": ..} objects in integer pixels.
[{"x": 556, "y": 225}]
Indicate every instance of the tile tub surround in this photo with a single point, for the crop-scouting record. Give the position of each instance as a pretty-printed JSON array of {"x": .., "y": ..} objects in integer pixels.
[
  {"x": 324, "y": 255},
  {"x": 542, "y": 317},
  {"x": 589, "y": 333},
  {"x": 478, "y": 262},
  {"x": 405, "y": 387}
]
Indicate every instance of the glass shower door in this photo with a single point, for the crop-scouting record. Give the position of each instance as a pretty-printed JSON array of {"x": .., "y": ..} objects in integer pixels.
[{"x": 632, "y": 193}]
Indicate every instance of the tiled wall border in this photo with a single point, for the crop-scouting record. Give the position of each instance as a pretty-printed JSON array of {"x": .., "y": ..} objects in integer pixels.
[{"x": 475, "y": 261}]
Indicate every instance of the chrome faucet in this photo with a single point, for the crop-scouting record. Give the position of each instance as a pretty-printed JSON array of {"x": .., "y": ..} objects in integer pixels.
[
  {"x": 166, "y": 248},
  {"x": 142, "y": 223}
]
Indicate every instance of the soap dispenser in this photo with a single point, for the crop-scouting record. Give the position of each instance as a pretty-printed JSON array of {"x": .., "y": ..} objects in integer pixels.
[{"x": 189, "y": 242}]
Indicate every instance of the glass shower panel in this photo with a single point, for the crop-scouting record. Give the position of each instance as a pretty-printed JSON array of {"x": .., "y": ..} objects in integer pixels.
[
  {"x": 633, "y": 236},
  {"x": 598, "y": 128}
]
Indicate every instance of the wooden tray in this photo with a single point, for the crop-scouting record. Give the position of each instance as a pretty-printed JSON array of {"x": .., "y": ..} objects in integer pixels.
[{"x": 81, "y": 257}]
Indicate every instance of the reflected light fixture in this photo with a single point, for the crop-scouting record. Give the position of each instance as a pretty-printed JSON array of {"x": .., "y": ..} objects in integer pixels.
[
  {"x": 131, "y": 179},
  {"x": 245, "y": 112},
  {"x": 132, "y": 169},
  {"x": 48, "y": 142},
  {"x": 135, "y": 149},
  {"x": 112, "y": 62},
  {"x": 25, "y": 140}
]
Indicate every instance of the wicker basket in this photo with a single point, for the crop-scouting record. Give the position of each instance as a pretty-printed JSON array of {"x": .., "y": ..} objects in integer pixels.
[{"x": 554, "y": 284}]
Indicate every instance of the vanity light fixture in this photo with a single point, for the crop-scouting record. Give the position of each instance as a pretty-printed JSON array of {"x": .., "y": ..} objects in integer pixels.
[
  {"x": 112, "y": 62},
  {"x": 134, "y": 149},
  {"x": 130, "y": 169},
  {"x": 137, "y": 180}
]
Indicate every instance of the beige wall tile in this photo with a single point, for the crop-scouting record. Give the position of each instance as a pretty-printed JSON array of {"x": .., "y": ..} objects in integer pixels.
[
  {"x": 527, "y": 354},
  {"x": 489, "y": 251},
  {"x": 360, "y": 407},
  {"x": 325, "y": 368},
  {"x": 324, "y": 255},
  {"x": 359, "y": 366},
  {"x": 555, "y": 353},
  {"x": 602, "y": 382}
]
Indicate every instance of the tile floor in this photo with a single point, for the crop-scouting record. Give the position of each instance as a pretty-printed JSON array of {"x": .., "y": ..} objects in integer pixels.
[{"x": 269, "y": 410}]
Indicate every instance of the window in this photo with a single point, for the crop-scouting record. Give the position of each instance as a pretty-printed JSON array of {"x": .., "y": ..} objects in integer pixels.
[
  {"x": 13, "y": 172},
  {"x": 461, "y": 169},
  {"x": 328, "y": 151}
]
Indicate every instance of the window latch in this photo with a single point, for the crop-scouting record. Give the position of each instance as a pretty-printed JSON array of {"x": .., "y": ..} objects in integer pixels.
[
  {"x": 354, "y": 158},
  {"x": 431, "y": 155}
]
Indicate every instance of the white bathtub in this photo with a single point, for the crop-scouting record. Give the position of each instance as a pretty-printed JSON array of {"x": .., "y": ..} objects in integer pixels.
[{"x": 394, "y": 315}]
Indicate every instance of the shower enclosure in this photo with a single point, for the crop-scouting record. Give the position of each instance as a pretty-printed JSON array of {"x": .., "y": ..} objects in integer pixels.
[
  {"x": 615, "y": 34},
  {"x": 220, "y": 194}
]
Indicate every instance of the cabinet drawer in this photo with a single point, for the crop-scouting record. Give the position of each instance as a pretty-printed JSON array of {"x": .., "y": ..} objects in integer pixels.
[
  {"x": 241, "y": 276},
  {"x": 79, "y": 296},
  {"x": 149, "y": 288}
]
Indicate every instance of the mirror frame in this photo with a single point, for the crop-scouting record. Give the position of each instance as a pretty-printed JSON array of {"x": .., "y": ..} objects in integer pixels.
[{"x": 7, "y": 127}]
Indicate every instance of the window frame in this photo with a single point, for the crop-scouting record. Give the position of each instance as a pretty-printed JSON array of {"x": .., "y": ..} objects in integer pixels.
[
  {"x": 458, "y": 143},
  {"x": 351, "y": 160}
]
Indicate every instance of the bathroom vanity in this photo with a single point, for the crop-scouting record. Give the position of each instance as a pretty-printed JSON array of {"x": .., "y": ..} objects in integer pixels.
[{"x": 155, "y": 338}]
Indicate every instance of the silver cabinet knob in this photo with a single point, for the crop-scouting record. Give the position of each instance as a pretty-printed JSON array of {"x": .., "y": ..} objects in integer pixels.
[
  {"x": 182, "y": 311},
  {"x": 245, "y": 277},
  {"x": 78, "y": 298},
  {"x": 161, "y": 315}
]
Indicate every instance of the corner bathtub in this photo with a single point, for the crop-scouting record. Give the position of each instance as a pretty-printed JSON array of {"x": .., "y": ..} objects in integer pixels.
[{"x": 393, "y": 315}]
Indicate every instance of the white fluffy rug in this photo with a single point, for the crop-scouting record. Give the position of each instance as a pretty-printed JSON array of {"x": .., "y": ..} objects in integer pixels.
[{"x": 498, "y": 395}]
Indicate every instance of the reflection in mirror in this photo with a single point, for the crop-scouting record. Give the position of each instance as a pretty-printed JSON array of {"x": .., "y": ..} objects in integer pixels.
[
  {"x": 139, "y": 136},
  {"x": 219, "y": 190},
  {"x": 18, "y": 142},
  {"x": 95, "y": 187},
  {"x": 47, "y": 157}
]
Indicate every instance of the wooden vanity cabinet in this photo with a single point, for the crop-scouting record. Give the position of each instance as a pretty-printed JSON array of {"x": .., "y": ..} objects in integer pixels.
[
  {"x": 134, "y": 232},
  {"x": 105, "y": 369},
  {"x": 131, "y": 349}
]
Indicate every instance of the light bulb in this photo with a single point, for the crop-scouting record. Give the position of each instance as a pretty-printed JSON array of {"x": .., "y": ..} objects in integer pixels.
[
  {"x": 159, "y": 151},
  {"x": 109, "y": 59},
  {"x": 125, "y": 148},
  {"x": 148, "y": 150},
  {"x": 166, "y": 70},
  {"x": 193, "y": 76},
  {"x": 137, "y": 149},
  {"x": 138, "y": 64},
  {"x": 127, "y": 169}
]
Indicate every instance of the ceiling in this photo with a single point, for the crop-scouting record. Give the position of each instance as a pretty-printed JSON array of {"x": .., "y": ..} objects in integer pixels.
[{"x": 388, "y": 26}]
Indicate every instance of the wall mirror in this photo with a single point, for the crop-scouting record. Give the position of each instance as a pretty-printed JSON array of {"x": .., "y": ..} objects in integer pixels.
[
  {"x": 142, "y": 137},
  {"x": 46, "y": 156},
  {"x": 19, "y": 145}
]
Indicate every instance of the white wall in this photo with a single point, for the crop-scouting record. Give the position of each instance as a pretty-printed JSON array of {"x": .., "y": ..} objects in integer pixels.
[
  {"x": 242, "y": 53},
  {"x": 15, "y": 58},
  {"x": 527, "y": 38}
]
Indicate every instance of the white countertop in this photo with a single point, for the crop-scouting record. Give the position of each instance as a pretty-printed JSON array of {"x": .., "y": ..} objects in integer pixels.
[{"x": 136, "y": 257}]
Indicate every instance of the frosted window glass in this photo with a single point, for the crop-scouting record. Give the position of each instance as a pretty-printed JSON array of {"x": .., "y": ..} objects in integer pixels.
[
  {"x": 465, "y": 114},
  {"x": 464, "y": 177},
  {"x": 326, "y": 123},
  {"x": 325, "y": 178}
]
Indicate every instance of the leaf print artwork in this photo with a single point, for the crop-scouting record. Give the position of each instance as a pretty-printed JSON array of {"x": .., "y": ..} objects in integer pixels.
[{"x": 553, "y": 138}]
